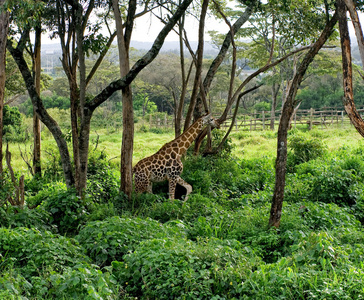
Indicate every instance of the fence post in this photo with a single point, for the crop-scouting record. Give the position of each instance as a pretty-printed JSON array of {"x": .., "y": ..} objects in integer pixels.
[
  {"x": 295, "y": 119},
  {"x": 263, "y": 119},
  {"x": 342, "y": 118},
  {"x": 311, "y": 117},
  {"x": 255, "y": 119},
  {"x": 165, "y": 120}
]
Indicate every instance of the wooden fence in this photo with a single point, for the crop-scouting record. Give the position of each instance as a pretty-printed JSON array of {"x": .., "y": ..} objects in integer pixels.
[{"x": 262, "y": 120}]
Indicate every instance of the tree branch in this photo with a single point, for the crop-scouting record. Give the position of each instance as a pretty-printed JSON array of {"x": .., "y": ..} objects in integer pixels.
[{"x": 141, "y": 63}]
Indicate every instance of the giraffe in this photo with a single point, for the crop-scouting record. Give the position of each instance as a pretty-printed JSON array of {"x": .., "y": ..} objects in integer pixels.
[{"x": 166, "y": 163}]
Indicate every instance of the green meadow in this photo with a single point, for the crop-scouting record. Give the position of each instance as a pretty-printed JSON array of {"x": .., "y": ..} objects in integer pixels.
[{"x": 216, "y": 245}]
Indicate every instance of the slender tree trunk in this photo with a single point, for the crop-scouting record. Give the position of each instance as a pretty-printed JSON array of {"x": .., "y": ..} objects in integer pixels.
[
  {"x": 74, "y": 97},
  {"x": 84, "y": 121},
  {"x": 197, "y": 80},
  {"x": 287, "y": 111},
  {"x": 51, "y": 124},
  {"x": 275, "y": 90},
  {"x": 356, "y": 23},
  {"x": 348, "y": 99},
  {"x": 4, "y": 26},
  {"x": 179, "y": 107},
  {"x": 37, "y": 168},
  {"x": 126, "y": 160},
  {"x": 199, "y": 107}
]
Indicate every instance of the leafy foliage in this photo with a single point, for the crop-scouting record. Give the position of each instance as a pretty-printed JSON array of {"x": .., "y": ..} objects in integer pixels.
[
  {"x": 167, "y": 269},
  {"x": 304, "y": 149},
  {"x": 110, "y": 239},
  {"x": 32, "y": 250},
  {"x": 215, "y": 245}
]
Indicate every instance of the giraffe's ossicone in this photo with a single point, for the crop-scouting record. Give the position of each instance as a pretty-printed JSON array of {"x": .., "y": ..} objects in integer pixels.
[{"x": 166, "y": 164}]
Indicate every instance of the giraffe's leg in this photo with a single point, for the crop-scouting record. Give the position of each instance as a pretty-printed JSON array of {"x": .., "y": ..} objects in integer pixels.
[
  {"x": 186, "y": 185},
  {"x": 150, "y": 188},
  {"x": 172, "y": 182}
]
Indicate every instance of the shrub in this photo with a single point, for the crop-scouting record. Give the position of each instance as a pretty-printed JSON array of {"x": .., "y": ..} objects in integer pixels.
[
  {"x": 82, "y": 281},
  {"x": 13, "y": 217},
  {"x": 108, "y": 240},
  {"x": 67, "y": 210},
  {"x": 304, "y": 149},
  {"x": 181, "y": 269},
  {"x": 332, "y": 184},
  {"x": 32, "y": 250},
  {"x": 318, "y": 269},
  {"x": 102, "y": 184}
]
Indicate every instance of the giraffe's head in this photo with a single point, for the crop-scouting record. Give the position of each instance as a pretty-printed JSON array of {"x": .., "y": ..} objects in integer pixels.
[{"x": 209, "y": 119}]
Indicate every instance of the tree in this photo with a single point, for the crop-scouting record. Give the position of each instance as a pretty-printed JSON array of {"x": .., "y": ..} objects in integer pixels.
[
  {"x": 126, "y": 174},
  {"x": 348, "y": 99},
  {"x": 287, "y": 111},
  {"x": 4, "y": 25},
  {"x": 71, "y": 22}
]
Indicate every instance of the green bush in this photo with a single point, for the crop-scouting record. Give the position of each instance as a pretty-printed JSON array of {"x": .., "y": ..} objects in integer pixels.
[
  {"x": 102, "y": 183},
  {"x": 332, "y": 185},
  {"x": 181, "y": 269},
  {"x": 67, "y": 210},
  {"x": 81, "y": 281},
  {"x": 108, "y": 240},
  {"x": 33, "y": 250},
  {"x": 303, "y": 149},
  {"x": 13, "y": 217},
  {"x": 318, "y": 269}
]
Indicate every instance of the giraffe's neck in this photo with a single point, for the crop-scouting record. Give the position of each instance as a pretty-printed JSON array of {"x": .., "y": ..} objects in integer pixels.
[{"x": 185, "y": 139}]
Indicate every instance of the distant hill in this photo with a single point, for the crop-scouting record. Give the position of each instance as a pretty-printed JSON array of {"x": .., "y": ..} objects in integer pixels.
[{"x": 167, "y": 46}]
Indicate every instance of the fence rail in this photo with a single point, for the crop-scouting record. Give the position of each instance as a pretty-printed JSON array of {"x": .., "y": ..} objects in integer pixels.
[{"x": 264, "y": 120}]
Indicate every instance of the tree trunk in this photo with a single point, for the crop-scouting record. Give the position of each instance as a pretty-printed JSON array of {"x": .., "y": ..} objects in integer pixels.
[
  {"x": 275, "y": 90},
  {"x": 184, "y": 81},
  {"x": 348, "y": 99},
  {"x": 126, "y": 160},
  {"x": 4, "y": 26},
  {"x": 198, "y": 63},
  {"x": 51, "y": 124},
  {"x": 287, "y": 111},
  {"x": 82, "y": 137},
  {"x": 37, "y": 168},
  {"x": 358, "y": 30},
  {"x": 199, "y": 107}
]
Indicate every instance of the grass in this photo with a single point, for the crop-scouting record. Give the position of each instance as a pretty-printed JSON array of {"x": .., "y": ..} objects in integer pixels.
[
  {"x": 248, "y": 144},
  {"x": 214, "y": 246}
]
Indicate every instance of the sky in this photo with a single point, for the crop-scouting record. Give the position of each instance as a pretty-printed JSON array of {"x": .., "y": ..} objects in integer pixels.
[{"x": 147, "y": 28}]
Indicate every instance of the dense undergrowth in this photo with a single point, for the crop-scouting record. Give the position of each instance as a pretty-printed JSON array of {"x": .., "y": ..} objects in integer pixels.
[{"x": 214, "y": 246}]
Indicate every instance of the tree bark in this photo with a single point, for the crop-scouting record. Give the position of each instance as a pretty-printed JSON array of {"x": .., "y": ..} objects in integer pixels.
[
  {"x": 348, "y": 99},
  {"x": 51, "y": 124},
  {"x": 126, "y": 160},
  {"x": 198, "y": 64},
  {"x": 356, "y": 23},
  {"x": 287, "y": 111},
  {"x": 184, "y": 81},
  {"x": 4, "y": 26},
  {"x": 37, "y": 168},
  {"x": 275, "y": 90}
]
